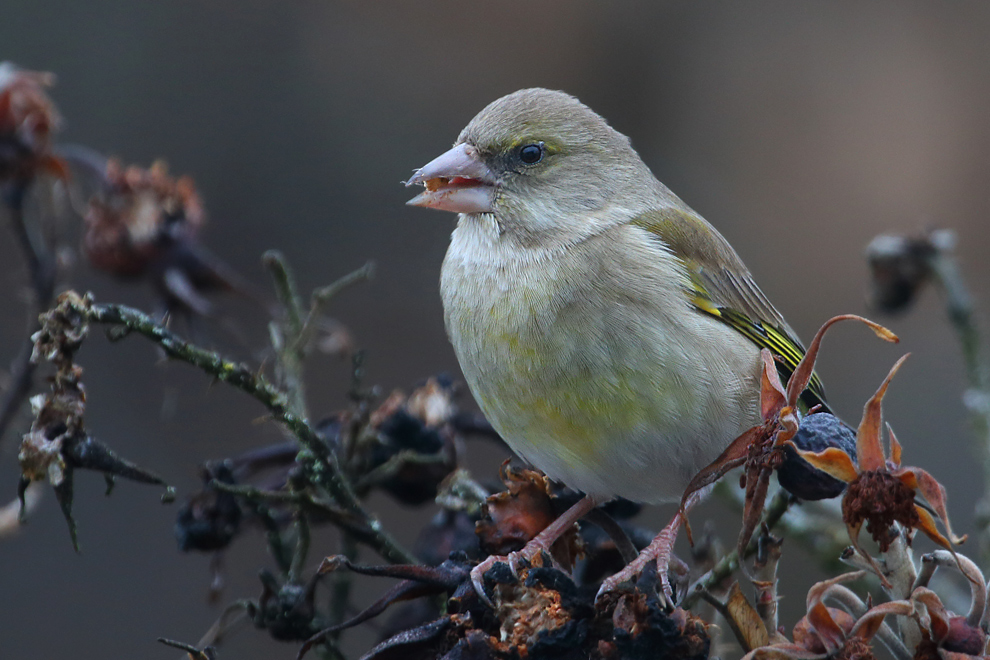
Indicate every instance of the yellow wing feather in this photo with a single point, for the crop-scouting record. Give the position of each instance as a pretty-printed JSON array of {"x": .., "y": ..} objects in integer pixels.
[{"x": 721, "y": 286}]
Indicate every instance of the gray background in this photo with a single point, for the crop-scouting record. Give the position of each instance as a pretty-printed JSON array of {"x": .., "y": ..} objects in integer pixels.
[{"x": 800, "y": 130}]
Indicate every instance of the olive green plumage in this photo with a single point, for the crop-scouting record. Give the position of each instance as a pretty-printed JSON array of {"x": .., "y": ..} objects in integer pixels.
[{"x": 609, "y": 333}]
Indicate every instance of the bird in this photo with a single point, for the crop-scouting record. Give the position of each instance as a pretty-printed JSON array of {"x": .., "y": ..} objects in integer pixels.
[{"x": 608, "y": 332}]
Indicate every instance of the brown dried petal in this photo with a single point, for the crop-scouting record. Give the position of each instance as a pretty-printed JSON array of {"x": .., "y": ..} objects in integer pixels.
[
  {"x": 820, "y": 589},
  {"x": 516, "y": 515},
  {"x": 879, "y": 499},
  {"x": 744, "y": 620},
  {"x": 804, "y": 633},
  {"x": 869, "y": 624},
  {"x": 733, "y": 456},
  {"x": 828, "y": 630},
  {"x": 773, "y": 397},
  {"x": 869, "y": 448},
  {"x": 803, "y": 372},
  {"x": 832, "y": 461},
  {"x": 934, "y": 493}
]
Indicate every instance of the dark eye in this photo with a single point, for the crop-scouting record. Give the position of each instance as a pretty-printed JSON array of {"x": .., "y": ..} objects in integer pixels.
[{"x": 531, "y": 153}]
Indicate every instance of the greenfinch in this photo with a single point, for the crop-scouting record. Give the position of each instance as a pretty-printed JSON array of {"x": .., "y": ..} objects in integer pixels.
[{"x": 608, "y": 332}]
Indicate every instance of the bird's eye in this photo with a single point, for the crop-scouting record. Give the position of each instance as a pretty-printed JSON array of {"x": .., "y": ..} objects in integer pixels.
[{"x": 531, "y": 153}]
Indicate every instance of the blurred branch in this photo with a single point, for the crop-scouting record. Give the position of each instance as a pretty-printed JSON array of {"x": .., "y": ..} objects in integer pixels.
[
  {"x": 959, "y": 307},
  {"x": 324, "y": 295},
  {"x": 284, "y": 337},
  {"x": 320, "y": 461},
  {"x": 359, "y": 529},
  {"x": 724, "y": 568},
  {"x": 41, "y": 269},
  {"x": 291, "y": 339},
  {"x": 900, "y": 265}
]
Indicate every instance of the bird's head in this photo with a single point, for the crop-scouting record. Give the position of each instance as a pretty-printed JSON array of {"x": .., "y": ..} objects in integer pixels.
[{"x": 542, "y": 162}]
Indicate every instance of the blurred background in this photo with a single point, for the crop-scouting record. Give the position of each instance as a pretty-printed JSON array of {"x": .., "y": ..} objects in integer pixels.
[{"x": 800, "y": 130}]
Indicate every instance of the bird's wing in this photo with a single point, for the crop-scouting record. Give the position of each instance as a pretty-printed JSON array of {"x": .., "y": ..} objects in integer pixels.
[{"x": 721, "y": 286}]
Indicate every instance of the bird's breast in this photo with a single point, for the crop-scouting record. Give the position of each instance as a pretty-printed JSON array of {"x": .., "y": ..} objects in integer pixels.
[{"x": 580, "y": 376}]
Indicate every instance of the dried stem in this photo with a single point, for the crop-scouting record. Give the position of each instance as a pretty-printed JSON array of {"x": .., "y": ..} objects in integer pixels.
[
  {"x": 340, "y": 592},
  {"x": 347, "y": 522},
  {"x": 773, "y": 513},
  {"x": 285, "y": 339},
  {"x": 322, "y": 463},
  {"x": 765, "y": 579},
  {"x": 302, "y": 549},
  {"x": 41, "y": 268},
  {"x": 959, "y": 307},
  {"x": 325, "y": 294}
]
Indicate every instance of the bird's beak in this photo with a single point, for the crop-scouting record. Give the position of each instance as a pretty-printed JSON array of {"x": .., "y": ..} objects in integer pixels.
[{"x": 457, "y": 181}]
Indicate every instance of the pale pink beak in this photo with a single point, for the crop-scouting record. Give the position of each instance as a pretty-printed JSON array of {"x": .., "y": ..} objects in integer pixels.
[{"x": 457, "y": 181}]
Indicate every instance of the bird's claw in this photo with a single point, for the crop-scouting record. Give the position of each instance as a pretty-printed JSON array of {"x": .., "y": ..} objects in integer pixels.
[
  {"x": 630, "y": 575},
  {"x": 659, "y": 551},
  {"x": 516, "y": 561},
  {"x": 478, "y": 577}
]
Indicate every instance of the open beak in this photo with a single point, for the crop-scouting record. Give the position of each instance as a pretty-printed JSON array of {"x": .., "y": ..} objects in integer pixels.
[{"x": 457, "y": 181}]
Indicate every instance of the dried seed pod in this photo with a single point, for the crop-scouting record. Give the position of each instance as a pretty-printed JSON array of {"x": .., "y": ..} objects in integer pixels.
[{"x": 816, "y": 433}]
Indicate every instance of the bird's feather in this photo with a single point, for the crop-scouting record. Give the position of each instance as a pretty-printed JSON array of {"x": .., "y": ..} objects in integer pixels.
[{"x": 720, "y": 285}]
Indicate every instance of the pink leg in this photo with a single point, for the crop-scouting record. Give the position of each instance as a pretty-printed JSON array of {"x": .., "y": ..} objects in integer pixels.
[
  {"x": 538, "y": 544},
  {"x": 660, "y": 550}
]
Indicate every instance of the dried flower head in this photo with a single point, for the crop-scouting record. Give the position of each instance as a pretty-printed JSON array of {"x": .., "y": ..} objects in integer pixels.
[
  {"x": 881, "y": 492},
  {"x": 142, "y": 213},
  {"x": 761, "y": 448},
  {"x": 901, "y": 265},
  {"x": 144, "y": 226},
  {"x": 408, "y": 445},
  {"x": 58, "y": 442},
  {"x": 825, "y": 632},
  {"x": 515, "y": 516},
  {"x": 28, "y": 120}
]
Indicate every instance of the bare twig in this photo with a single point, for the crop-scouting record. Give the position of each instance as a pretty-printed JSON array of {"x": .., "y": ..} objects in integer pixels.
[
  {"x": 325, "y": 294},
  {"x": 773, "y": 513},
  {"x": 959, "y": 307},
  {"x": 321, "y": 462},
  {"x": 285, "y": 337},
  {"x": 347, "y": 522},
  {"x": 41, "y": 268}
]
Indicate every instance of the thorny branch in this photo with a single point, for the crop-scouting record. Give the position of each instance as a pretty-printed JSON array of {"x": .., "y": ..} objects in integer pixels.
[
  {"x": 959, "y": 307},
  {"x": 41, "y": 267},
  {"x": 346, "y": 521},
  {"x": 729, "y": 563},
  {"x": 321, "y": 460},
  {"x": 901, "y": 265}
]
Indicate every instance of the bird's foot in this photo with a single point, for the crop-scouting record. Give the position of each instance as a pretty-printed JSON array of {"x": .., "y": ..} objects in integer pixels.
[
  {"x": 661, "y": 551},
  {"x": 516, "y": 561},
  {"x": 537, "y": 546}
]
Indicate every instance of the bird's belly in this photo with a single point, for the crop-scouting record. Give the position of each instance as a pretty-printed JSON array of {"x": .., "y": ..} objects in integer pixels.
[
  {"x": 594, "y": 368},
  {"x": 603, "y": 410}
]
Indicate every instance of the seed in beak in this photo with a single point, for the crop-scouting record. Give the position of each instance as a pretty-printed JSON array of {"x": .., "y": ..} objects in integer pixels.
[{"x": 437, "y": 183}]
